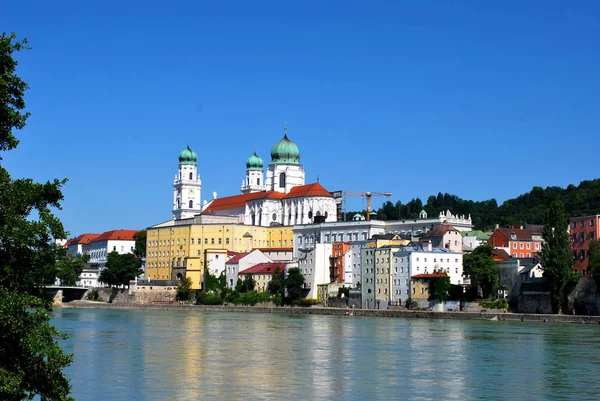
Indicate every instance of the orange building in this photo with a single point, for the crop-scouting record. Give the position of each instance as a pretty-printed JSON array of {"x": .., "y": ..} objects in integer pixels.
[
  {"x": 518, "y": 242},
  {"x": 583, "y": 230},
  {"x": 336, "y": 266}
]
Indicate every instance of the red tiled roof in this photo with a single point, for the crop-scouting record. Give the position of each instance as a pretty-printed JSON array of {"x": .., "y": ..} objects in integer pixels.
[
  {"x": 121, "y": 235},
  {"x": 81, "y": 239},
  {"x": 237, "y": 201},
  {"x": 275, "y": 249},
  {"x": 430, "y": 275},
  {"x": 236, "y": 258},
  {"x": 263, "y": 268},
  {"x": 500, "y": 254},
  {"x": 442, "y": 229},
  {"x": 522, "y": 235},
  {"x": 315, "y": 189}
]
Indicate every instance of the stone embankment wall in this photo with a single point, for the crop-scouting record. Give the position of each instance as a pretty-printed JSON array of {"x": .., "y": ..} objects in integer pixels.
[
  {"x": 514, "y": 317},
  {"x": 123, "y": 297}
]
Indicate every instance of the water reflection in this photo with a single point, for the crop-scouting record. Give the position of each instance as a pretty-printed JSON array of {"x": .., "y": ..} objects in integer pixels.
[{"x": 190, "y": 355}]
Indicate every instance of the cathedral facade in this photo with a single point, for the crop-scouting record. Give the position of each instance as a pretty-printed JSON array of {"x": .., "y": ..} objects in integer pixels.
[{"x": 281, "y": 198}]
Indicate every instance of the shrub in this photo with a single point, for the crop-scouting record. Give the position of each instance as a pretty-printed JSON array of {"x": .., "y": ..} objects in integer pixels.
[
  {"x": 498, "y": 304},
  {"x": 212, "y": 299},
  {"x": 408, "y": 303},
  {"x": 93, "y": 295},
  {"x": 308, "y": 302}
]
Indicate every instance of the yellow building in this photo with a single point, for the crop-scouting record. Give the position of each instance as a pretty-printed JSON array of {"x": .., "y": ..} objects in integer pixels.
[
  {"x": 420, "y": 285},
  {"x": 384, "y": 272},
  {"x": 262, "y": 273},
  {"x": 177, "y": 246}
]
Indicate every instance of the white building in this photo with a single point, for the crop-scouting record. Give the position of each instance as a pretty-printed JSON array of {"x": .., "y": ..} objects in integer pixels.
[
  {"x": 314, "y": 266},
  {"x": 425, "y": 259},
  {"x": 75, "y": 245},
  {"x": 307, "y": 235},
  {"x": 283, "y": 198},
  {"x": 187, "y": 186},
  {"x": 120, "y": 241},
  {"x": 241, "y": 262},
  {"x": 352, "y": 267},
  {"x": 88, "y": 278},
  {"x": 216, "y": 260}
]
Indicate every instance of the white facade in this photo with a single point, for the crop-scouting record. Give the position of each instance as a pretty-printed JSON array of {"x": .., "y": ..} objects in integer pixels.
[
  {"x": 289, "y": 212},
  {"x": 352, "y": 267},
  {"x": 283, "y": 177},
  {"x": 98, "y": 250},
  {"x": 237, "y": 264},
  {"x": 314, "y": 266},
  {"x": 186, "y": 192},
  {"x": 216, "y": 261},
  {"x": 254, "y": 182},
  {"x": 424, "y": 259},
  {"x": 88, "y": 278}
]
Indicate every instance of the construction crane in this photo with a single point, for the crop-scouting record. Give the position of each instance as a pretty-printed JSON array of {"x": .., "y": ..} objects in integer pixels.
[{"x": 367, "y": 195}]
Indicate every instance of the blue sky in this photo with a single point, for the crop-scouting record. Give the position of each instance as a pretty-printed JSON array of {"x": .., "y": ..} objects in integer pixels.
[{"x": 479, "y": 99}]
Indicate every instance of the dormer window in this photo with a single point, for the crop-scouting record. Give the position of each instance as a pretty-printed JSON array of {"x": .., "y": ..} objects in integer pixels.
[{"x": 513, "y": 236}]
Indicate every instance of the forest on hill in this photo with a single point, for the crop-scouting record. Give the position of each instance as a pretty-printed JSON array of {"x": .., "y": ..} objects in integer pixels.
[{"x": 528, "y": 208}]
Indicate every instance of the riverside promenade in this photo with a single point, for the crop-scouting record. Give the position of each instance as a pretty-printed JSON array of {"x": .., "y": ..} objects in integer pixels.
[{"x": 314, "y": 310}]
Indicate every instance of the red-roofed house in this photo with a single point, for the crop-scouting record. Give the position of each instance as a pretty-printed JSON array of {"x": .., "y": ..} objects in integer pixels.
[
  {"x": 243, "y": 261},
  {"x": 262, "y": 274},
  {"x": 517, "y": 242},
  {"x": 445, "y": 236},
  {"x": 75, "y": 245},
  {"x": 120, "y": 241}
]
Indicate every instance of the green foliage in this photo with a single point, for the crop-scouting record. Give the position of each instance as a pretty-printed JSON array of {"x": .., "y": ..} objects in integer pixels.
[
  {"x": 501, "y": 303},
  {"x": 93, "y": 295},
  {"x": 308, "y": 302},
  {"x": 139, "y": 249},
  {"x": 555, "y": 255},
  {"x": 248, "y": 284},
  {"x": 68, "y": 269},
  {"x": 212, "y": 299},
  {"x": 408, "y": 303},
  {"x": 31, "y": 360},
  {"x": 277, "y": 286},
  {"x": 482, "y": 269},
  {"x": 294, "y": 283},
  {"x": 85, "y": 257},
  {"x": 594, "y": 260},
  {"x": 345, "y": 291},
  {"x": 120, "y": 269},
  {"x": 184, "y": 289},
  {"x": 530, "y": 207},
  {"x": 439, "y": 288}
]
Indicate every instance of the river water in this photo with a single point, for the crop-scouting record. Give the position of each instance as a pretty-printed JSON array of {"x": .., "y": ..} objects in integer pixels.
[{"x": 194, "y": 355}]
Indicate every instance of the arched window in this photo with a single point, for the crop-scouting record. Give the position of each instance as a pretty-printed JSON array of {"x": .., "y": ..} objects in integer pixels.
[
  {"x": 258, "y": 181},
  {"x": 310, "y": 214},
  {"x": 282, "y": 180},
  {"x": 191, "y": 176},
  {"x": 191, "y": 204}
]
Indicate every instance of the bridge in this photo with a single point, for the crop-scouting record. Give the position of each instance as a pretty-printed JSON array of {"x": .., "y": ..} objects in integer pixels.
[{"x": 69, "y": 293}]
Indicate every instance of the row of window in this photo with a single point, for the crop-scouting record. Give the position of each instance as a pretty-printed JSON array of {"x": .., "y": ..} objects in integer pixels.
[
  {"x": 582, "y": 223},
  {"x": 582, "y": 254},
  {"x": 591, "y": 236},
  {"x": 522, "y": 255},
  {"x": 528, "y": 246},
  {"x": 219, "y": 241}
]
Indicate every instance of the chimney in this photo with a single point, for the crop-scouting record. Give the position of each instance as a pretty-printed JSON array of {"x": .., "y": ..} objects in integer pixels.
[
  {"x": 497, "y": 226},
  {"x": 520, "y": 227}
]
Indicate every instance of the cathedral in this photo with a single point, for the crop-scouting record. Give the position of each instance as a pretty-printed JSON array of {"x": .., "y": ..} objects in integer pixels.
[{"x": 282, "y": 198}]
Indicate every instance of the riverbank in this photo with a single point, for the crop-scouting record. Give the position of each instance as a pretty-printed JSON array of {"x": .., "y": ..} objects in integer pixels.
[{"x": 509, "y": 317}]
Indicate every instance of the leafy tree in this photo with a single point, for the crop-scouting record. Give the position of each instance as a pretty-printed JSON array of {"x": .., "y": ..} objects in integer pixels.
[
  {"x": 184, "y": 289},
  {"x": 248, "y": 284},
  {"x": 439, "y": 288},
  {"x": 482, "y": 269},
  {"x": 120, "y": 269},
  {"x": 85, "y": 257},
  {"x": 555, "y": 255},
  {"x": 294, "y": 283},
  {"x": 139, "y": 248},
  {"x": 31, "y": 360},
  {"x": 68, "y": 269},
  {"x": 594, "y": 260}
]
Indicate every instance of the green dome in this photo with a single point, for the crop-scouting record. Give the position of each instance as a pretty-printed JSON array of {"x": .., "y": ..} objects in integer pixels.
[
  {"x": 285, "y": 152},
  {"x": 254, "y": 163},
  {"x": 188, "y": 156}
]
